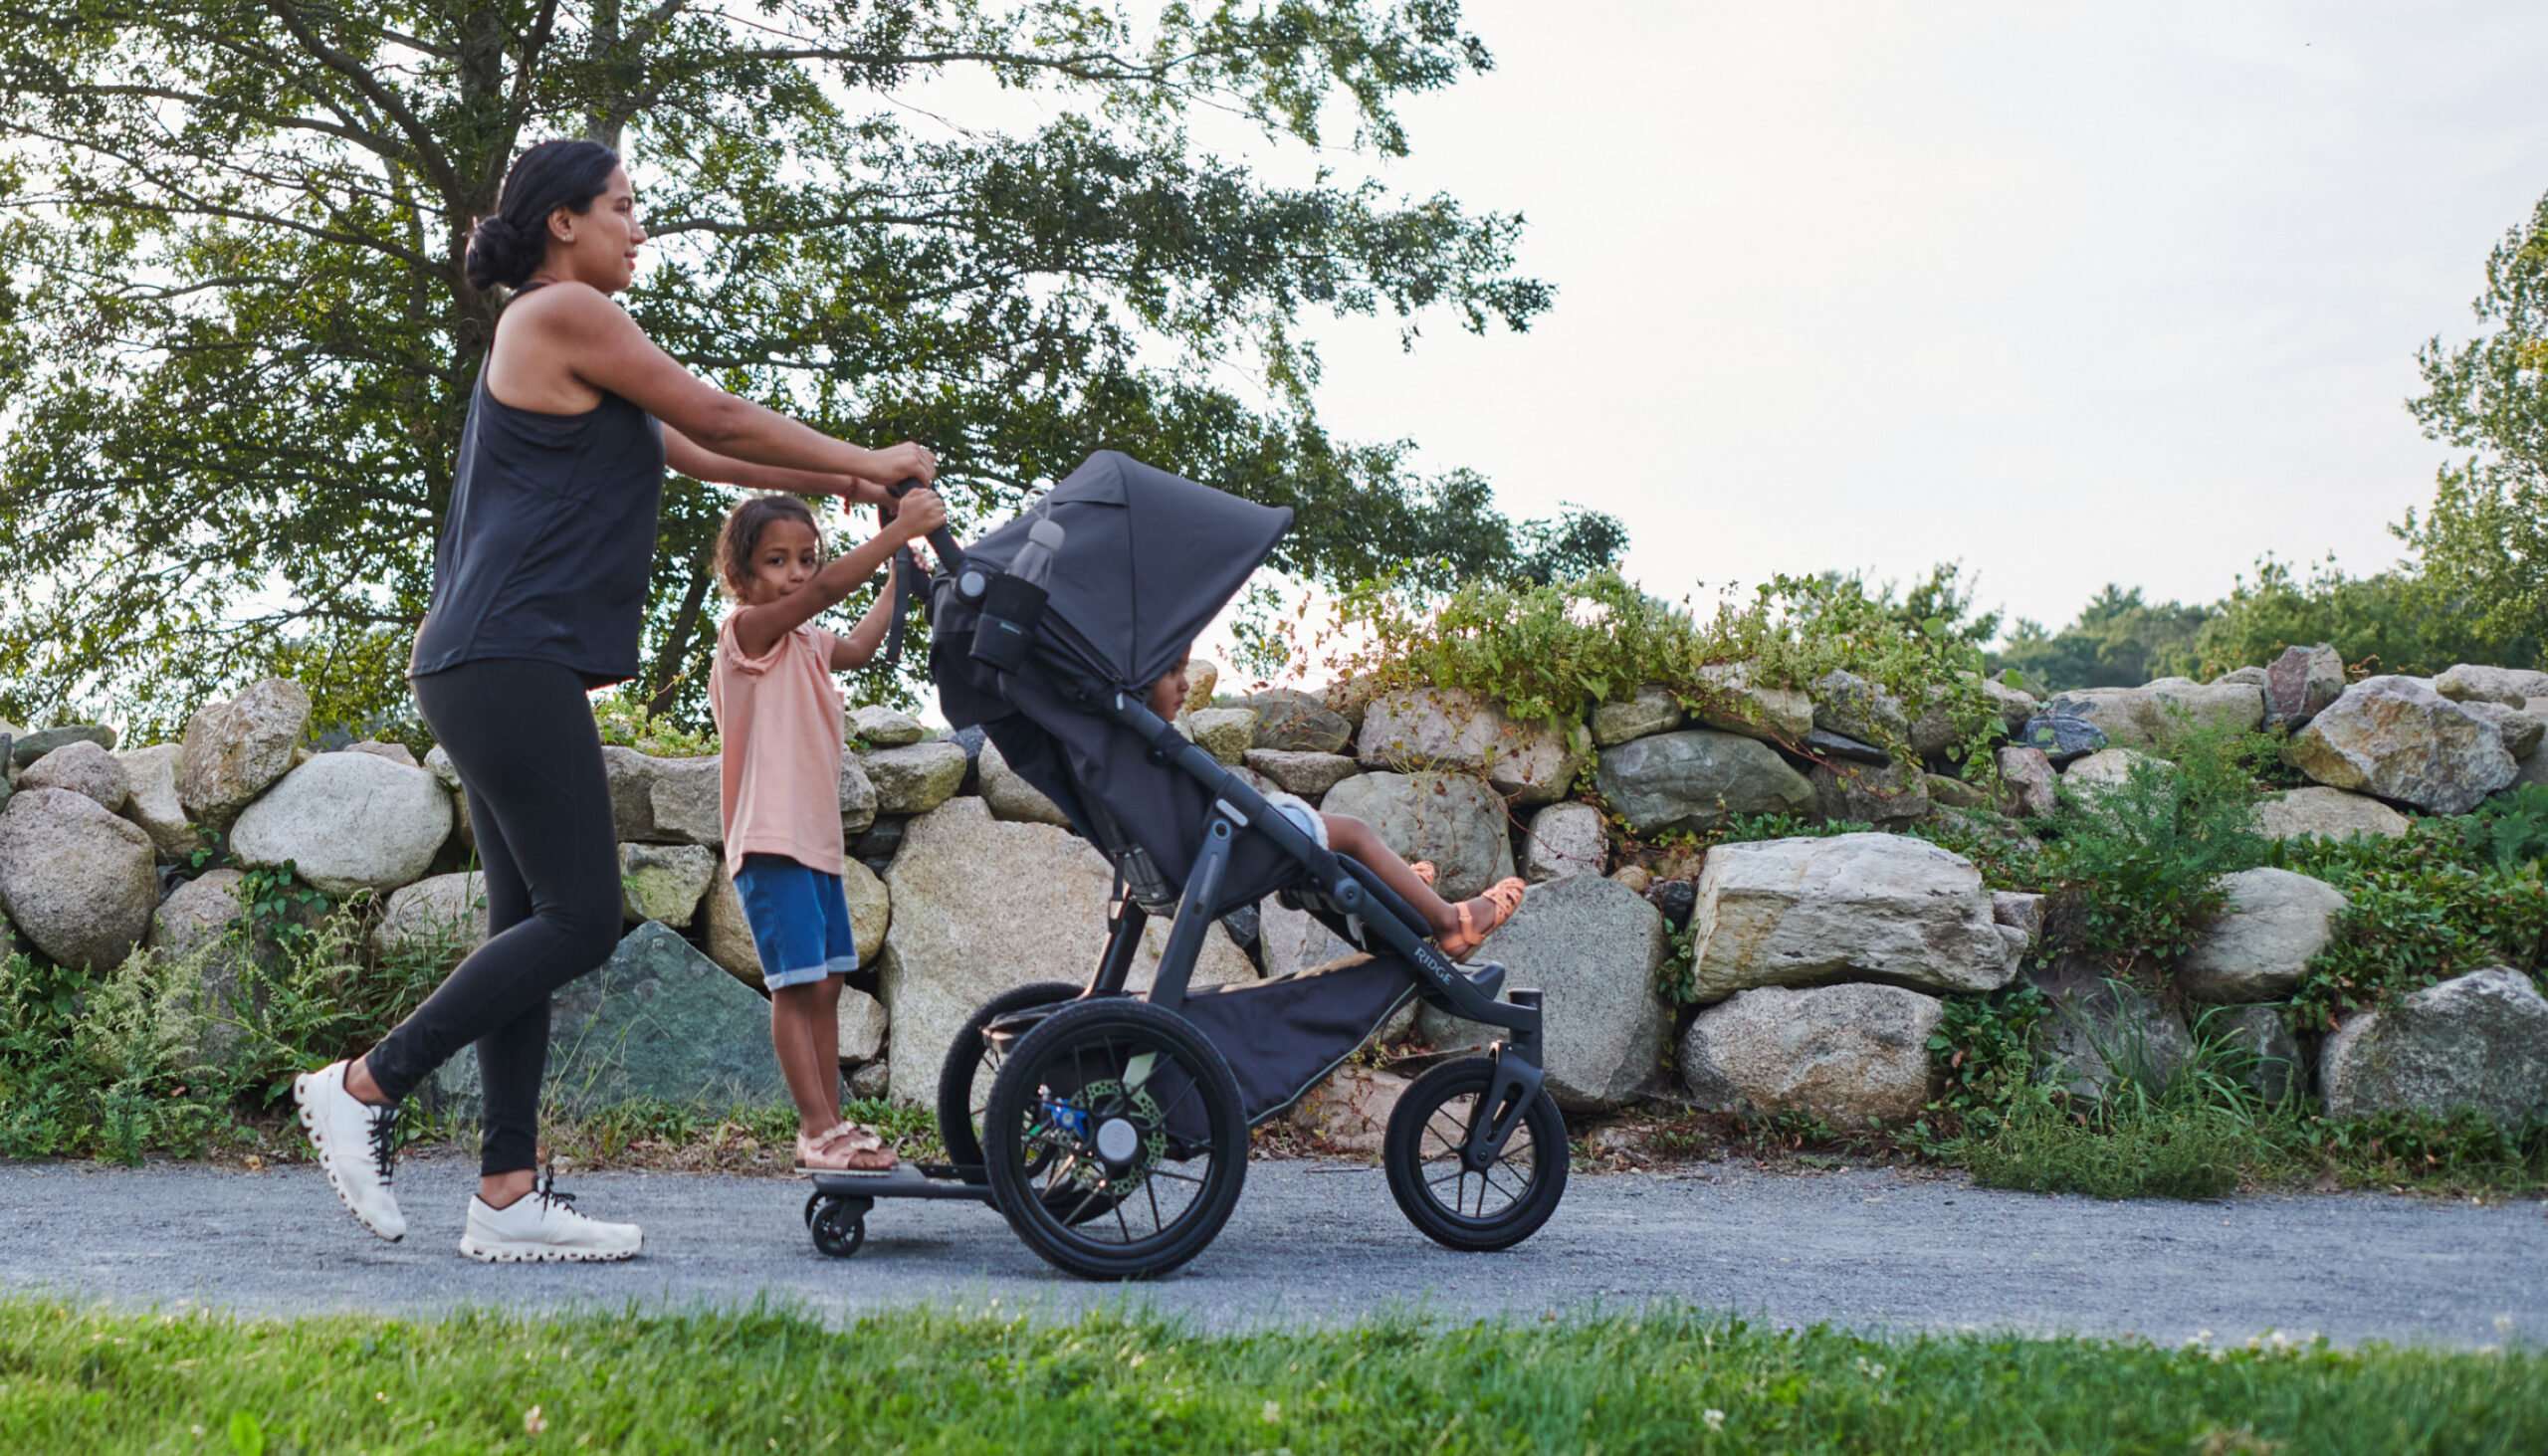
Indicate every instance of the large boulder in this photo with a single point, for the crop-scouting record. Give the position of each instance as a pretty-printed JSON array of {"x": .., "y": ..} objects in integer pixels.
[
  {"x": 348, "y": 822},
  {"x": 1652, "y": 708},
  {"x": 860, "y": 1023},
  {"x": 2101, "y": 770},
  {"x": 858, "y": 798},
  {"x": 1564, "y": 839},
  {"x": 198, "y": 911},
  {"x": 1854, "y": 708},
  {"x": 2397, "y": 738},
  {"x": 2521, "y": 731},
  {"x": 2014, "y": 705},
  {"x": 24, "y": 748},
  {"x": 686, "y": 798},
  {"x": 1855, "y": 1056},
  {"x": 1593, "y": 947},
  {"x": 153, "y": 803},
  {"x": 2473, "y": 682},
  {"x": 1288, "y": 722},
  {"x": 85, "y": 769},
  {"x": 75, "y": 879},
  {"x": 658, "y": 1021},
  {"x": 1853, "y": 906},
  {"x": 2268, "y": 1054},
  {"x": 2255, "y": 950},
  {"x": 2062, "y": 736},
  {"x": 1411, "y": 728},
  {"x": 727, "y": 933},
  {"x": 664, "y": 881},
  {"x": 2327, "y": 813},
  {"x": 1448, "y": 818},
  {"x": 398, "y": 753},
  {"x": 631, "y": 775},
  {"x": 447, "y": 773},
  {"x": 982, "y": 905},
  {"x": 2099, "y": 1032},
  {"x": 1292, "y": 940},
  {"x": 879, "y": 726},
  {"x": 1224, "y": 732},
  {"x": 2480, "y": 1041},
  {"x": 194, "y": 921},
  {"x": 440, "y": 917},
  {"x": 1309, "y": 776},
  {"x": 917, "y": 778},
  {"x": 1350, "y": 1111},
  {"x": 2301, "y": 684},
  {"x": 1695, "y": 779},
  {"x": 235, "y": 750},
  {"x": 1010, "y": 796},
  {"x": 2147, "y": 715},
  {"x": 2028, "y": 772},
  {"x": 1732, "y": 700},
  {"x": 1860, "y": 793}
]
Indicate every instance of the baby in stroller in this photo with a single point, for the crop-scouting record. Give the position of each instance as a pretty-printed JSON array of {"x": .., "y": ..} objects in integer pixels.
[{"x": 1458, "y": 929}]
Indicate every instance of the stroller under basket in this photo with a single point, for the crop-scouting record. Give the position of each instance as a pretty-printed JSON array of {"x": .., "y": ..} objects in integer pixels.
[{"x": 1111, "y": 1129}]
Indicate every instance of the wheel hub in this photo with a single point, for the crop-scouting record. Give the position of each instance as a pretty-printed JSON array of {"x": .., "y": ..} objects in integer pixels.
[
  {"x": 1120, "y": 1135},
  {"x": 1118, "y": 1142}
]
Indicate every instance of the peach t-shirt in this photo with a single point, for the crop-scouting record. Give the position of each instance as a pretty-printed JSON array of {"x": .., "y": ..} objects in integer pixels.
[{"x": 778, "y": 717}]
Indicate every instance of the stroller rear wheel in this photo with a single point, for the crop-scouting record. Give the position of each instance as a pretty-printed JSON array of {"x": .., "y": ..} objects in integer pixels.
[
  {"x": 1116, "y": 1141},
  {"x": 1473, "y": 1210},
  {"x": 965, "y": 1078}
]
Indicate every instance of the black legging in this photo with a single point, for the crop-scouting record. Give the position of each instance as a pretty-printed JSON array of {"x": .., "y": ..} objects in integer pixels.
[{"x": 521, "y": 735}]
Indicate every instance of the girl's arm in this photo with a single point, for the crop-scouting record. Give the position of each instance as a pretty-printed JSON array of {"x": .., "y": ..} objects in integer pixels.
[
  {"x": 758, "y": 627},
  {"x": 858, "y": 649},
  {"x": 700, "y": 463}
]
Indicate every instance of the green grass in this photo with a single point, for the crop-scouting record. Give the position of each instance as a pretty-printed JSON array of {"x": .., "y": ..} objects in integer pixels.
[{"x": 758, "y": 1380}]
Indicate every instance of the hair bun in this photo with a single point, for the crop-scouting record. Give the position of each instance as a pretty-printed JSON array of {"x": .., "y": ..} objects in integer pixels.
[{"x": 501, "y": 252}]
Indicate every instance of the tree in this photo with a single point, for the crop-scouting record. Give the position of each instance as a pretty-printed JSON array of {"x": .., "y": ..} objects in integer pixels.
[
  {"x": 2484, "y": 542},
  {"x": 2387, "y": 622},
  {"x": 238, "y": 344},
  {"x": 2118, "y": 641}
]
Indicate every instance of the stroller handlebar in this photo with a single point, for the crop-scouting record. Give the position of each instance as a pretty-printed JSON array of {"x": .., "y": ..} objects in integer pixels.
[{"x": 941, "y": 541}]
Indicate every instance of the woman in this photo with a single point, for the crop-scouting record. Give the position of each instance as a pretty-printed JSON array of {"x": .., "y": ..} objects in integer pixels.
[{"x": 539, "y": 581}]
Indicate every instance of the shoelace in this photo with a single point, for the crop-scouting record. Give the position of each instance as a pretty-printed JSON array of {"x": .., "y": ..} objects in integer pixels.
[
  {"x": 384, "y": 1143},
  {"x": 545, "y": 1190}
]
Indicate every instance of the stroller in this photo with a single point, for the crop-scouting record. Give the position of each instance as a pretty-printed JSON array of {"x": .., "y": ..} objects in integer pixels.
[{"x": 1111, "y": 1129}]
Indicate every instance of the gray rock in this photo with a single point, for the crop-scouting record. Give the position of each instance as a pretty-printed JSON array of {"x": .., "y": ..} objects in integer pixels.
[
  {"x": 2521, "y": 731},
  {"x": 727, "y": 933},
  {"x": 858, "y": 798},
  {"x": 2020, "y": 911},
  {"x": 884, "y": 728},
  {"x": 1855, "y": 1056},
  {"x": 85, "y": 769},
  {"x": 2014, "y": 705},
  {"x": 2395, "y": 737},
  {"x": 1853, "y": 906},
  {"x": 2510, "y": 687},
  {"x": 1955, "y": 793},
  {"x": 1675, "y": 897},
  {"x": 1850, "y": 706},
  {"x": 872, "y": 1080},
  {"x": 2252, "y": 676},
  {"x": 398, "y": 753},
  {"x": 2260, "y": 1038},
  {"x": 1449, "y": 818},
  {"x": 2062, "y": 736},
  {"x": 197, "y": 912},
  {"x": 2147, "y": 717},
  {"x": 438, "y": 763},
  {"x": 2480, "y": 1041},
  {"x": 861, "y": 1023},
  {"x": 2102, "y": 769},
  {"x": 235, "y": 750},
  {"x": 1856, "y": 793},
  {"x": 1822, "y": 745},
  {"x": 75, "y": 879},
  {"x": 26, "y": 749},
  {"x": 348, "y": 822},
  {"x": 2102, "y": 1032},
  {"x": 686, "y": 800},
  {"x": 664, "y": 881},
  {"x": 657, "y": 1021},
  {"x": 1224, "y": 732},
  {"x": 2328, "y": 813},
  {"x": 1292, "y": 940},
  {"x": 1288, "y": 722},
  {"x": 154, "y": 804},
  {"x": 1593, "y": 946},
  {"x": 1934, "y": 730},
  {"x": 2257, "y": 948},
  {"x": 632, "y": 790},
  {"x": 1695, "y": 779},
  {"x": 1202, "y": 679},
  {"x": 1653, "y": 710},
  {"x": 1446, "y": 729},
  {"x": 440, "y": 917},
  {"x": 961, "y": 935},
  {"x": 1733, "y": 701},
  {"x": 195, "y": 922},
  {"x": 1010, "y": 796},
  {"x": 2029, "y": 777},
  {"x": 915, "y": 778},
  {"x": 1309, "y": 776},
  {"x": 1350, "y": 1111},
  {"x": 2301, "y": 684},
  {"x": 1564, "y": 839}
]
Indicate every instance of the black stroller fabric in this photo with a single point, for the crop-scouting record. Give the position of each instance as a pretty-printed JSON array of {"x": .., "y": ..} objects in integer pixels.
[
  {"x": 1281, "y": 1036},
  {"x": 1151, "y": 559}
]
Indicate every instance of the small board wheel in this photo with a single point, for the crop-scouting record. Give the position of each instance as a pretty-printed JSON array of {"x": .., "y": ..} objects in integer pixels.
[{"x": 838, "y": 1226}]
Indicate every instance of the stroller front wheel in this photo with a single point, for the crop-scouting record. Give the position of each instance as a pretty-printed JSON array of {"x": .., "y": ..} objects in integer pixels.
[{"x": 1474, "y": 1210}]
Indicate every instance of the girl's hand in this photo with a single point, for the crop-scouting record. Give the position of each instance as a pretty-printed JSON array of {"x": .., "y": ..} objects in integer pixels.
[
  {"x": 905, "y": 461},
  {"x": 920, "y": 512}
]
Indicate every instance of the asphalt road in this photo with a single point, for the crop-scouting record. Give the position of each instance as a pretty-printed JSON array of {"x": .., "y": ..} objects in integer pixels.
[{"x": 1322, "y": 1242}]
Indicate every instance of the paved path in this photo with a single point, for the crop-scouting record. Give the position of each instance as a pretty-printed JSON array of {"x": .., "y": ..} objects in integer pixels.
[{"x": 1874, "y": 1250}]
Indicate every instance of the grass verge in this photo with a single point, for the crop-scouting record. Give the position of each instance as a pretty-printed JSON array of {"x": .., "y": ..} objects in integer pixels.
[{"x": 1110, "y": 1381}]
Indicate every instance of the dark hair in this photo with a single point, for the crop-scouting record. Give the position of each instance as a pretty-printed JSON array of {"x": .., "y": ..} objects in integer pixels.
[
  {"x": 741, "y": 535},
  {"x": 509, "y": 244}
]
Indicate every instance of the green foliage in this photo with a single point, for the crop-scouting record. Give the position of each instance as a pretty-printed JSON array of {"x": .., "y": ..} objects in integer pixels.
[
  {"x": 2118, "y": 641},
  {"x": 104, "y": 1380},
  {"x": 2139, "y": 1150},
  {"x": 238, "y": 346},
  {"x": 2509, "y": 830},
  {"x": 278, "y": 907},
  {"x": 1984, "y": 1054},
  {"x": 625, "y": 720},
  {"x": 2390, "y": 622},
  {"x": 2427, "y": 905},
  {"x": 2146, "y": 851}
]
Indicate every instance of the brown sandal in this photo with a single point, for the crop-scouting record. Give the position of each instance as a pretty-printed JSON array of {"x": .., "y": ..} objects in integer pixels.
[
  {"x": 846, "y": 1147},
  {"x": 1502, "y": 899},
  {"x": 1423, "y": 869}
]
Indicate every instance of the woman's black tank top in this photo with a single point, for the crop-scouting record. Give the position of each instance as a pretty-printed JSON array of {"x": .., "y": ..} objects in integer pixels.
[{"x": 551, "y": 540}]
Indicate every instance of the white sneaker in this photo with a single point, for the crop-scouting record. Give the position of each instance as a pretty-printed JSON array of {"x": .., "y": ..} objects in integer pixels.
[
  {"x": 543, "y": 1225},
  {"x": 357, "y": 1144}
]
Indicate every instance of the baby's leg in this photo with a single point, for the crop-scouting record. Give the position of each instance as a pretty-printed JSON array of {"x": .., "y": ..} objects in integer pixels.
[{"x": 1348, "y": 835}]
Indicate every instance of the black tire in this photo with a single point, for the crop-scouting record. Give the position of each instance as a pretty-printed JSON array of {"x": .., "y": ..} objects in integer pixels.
[
  {"x": 965, "y": 1078},
  {"x": 838, "y": 1226},
  {"x": 1453, "y": 1206},
  {"x": 1165, "y": 1199}
]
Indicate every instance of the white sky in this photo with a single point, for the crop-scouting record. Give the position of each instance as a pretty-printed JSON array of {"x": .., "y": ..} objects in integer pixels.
[{"x": 2073, "y": 292}]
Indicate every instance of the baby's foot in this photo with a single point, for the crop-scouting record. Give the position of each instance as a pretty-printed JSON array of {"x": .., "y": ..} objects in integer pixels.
[
  {"x": 1479, "y": 917},
  {"x": 845, "y": 1147}
]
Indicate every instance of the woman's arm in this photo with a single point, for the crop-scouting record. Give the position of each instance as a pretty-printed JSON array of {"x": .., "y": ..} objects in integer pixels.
[
  {"x": 858, "y": 649},
  {"x": 758, "y": 629},
  {"x": 696, "y": 461}
]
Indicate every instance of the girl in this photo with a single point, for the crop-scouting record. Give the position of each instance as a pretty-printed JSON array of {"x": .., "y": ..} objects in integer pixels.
[
  {"x": 779, "y": 719},
  {"x": 539, "y": 588},
  {"x": 1458, "y": 929}
]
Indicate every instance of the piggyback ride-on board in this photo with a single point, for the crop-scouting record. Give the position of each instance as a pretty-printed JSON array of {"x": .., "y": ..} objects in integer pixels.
[{"x": 1110, "y": 1127}]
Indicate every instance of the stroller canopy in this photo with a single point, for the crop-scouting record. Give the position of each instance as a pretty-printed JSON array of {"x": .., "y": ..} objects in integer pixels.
[{"x": 1150, "y": 559}]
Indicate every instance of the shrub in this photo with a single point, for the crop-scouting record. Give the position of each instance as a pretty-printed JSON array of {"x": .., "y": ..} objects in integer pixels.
[
  {"x": 2147, "y": 852},
  {"x": 2172, "y": 1149}
]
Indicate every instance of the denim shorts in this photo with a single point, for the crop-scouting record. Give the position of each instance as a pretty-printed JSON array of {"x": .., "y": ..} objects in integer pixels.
[{"x": 799, "y": 919}]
